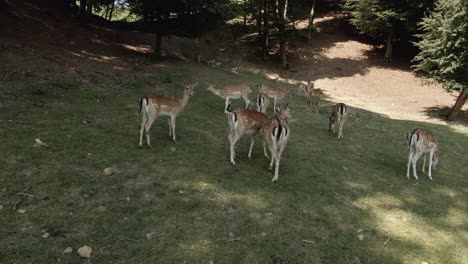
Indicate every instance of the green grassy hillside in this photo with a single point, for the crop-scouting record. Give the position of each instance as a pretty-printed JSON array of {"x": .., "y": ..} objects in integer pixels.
[{"x": 344, "y": 201}]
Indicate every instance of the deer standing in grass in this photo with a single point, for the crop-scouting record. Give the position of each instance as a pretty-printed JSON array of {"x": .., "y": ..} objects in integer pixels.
[
  {"x": 303, "y": 89},
  {"x": 422, "y": 141},
  {"x": 262, "y": 102},
  {"x": 338, "y": 117},
  {"x": 273, "y": 92},
  {"x": 232, "y": 92},
  {"x": 153, "y": 106},
  {"x": 244, "y": 121},
  {"x": 275, "y": 134}
]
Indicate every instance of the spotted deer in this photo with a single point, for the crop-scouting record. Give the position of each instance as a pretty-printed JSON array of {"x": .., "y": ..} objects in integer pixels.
[
  {"x": 262, "y": 102},
  {"x": 153, "y": 106},
  {"x": 301, "y": 90},
  {"x": 338, "y": 117},
  {"x": 244, "y": 121},
  {"x": 232, "y": 92},
  {"x": 422, "y": 141},
  {"x": 275, "y": 134},
  {"x": 273, "y": 92}
]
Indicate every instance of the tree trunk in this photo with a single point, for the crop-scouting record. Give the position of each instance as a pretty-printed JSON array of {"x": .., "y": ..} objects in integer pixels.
[
  {"x": 389, "y": 49},
  {"x": 245, "y": 15},
  {"x": 311, "y": 21},
  {"x": 265, "y": 31},
  {"x": 157, "y": 45},
  {"x": 282, "y": 32},
  {"x": 111, "y": 10},
  {"x": 258, "y": 17},
  {"x": 89, "y": 7},
  {"x": 82, "y": 13},
  {"x": 458, "y": 105}
]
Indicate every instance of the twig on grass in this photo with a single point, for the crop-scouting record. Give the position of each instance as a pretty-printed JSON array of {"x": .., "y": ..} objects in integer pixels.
[
  {"x": 26, "y": 194},
  {"x": 386, "y": 241}
]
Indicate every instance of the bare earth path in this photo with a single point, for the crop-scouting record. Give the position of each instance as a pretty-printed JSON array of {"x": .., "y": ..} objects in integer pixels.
[{"x": 351, "y": 72}]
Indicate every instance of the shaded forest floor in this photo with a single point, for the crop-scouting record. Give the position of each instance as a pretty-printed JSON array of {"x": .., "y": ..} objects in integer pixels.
[{"x": 344, "y": 201}]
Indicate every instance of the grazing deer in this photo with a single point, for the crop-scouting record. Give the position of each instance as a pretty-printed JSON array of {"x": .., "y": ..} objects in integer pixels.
[
  {"x": 422, "y": 141},
  {"x": 314, "y": 95},
  {"x": 244, "y": 121},
  {"x": 338, "y": 117},
  {"x": 301, "y": 90},
  {"x": 273, "y": 92},
  {"x": 232, "y": 92},
  {"x": 153, "y": 106},
  {"x": 262, "y": 102},
  {"x": 275, "y": 134}
]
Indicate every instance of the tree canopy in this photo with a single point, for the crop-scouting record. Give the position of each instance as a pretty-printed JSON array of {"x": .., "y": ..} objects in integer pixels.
[{"x": 444, "y": 48}]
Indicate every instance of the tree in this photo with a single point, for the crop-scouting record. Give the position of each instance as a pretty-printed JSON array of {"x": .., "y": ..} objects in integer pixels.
[
  {"x": 311, "y": 21},
  {"x": 382, "y": 18},
  {"x": 444, "y": 49},
  {"x": 282, "y": 9}
]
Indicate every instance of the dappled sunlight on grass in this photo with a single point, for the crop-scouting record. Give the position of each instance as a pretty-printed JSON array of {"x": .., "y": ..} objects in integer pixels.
[{"x": 336, "y": 201}]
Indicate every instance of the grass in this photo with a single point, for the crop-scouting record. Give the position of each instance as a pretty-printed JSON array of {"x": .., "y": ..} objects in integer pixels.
[{"x": 349, "y": 200}]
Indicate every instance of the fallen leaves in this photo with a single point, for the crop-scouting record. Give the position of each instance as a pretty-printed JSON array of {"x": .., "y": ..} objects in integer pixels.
[{"x": 85, "y": 251}]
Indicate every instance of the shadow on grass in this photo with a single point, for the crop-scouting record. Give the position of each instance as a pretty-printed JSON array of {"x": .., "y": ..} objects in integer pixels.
[{"x": 440, "y": 112}]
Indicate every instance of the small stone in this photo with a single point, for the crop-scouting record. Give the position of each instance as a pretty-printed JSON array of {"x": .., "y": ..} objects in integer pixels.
[
  {"x": 263, "y": 234},
  {"x": 128, "y": 199},
  {"x": 360, "y": 236},
  {"x": 84, "y": 122},
  {"x": 101, "y": 208},
  {"x": 173, "y": 149},
  {"x": 108, "y": 171},
  {"x": 21, "y": 211},
  {"x": 1, "y": 206},
  {"x": 45, "y": 235},
  {"x": 181, "y": 192},
  {"x": 68, "y": 250},
  {"x": 85, "y": 251}
]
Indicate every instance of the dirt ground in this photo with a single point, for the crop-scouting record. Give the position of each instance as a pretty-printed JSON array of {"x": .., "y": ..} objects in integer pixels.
[{"x": 353, "y": 72}]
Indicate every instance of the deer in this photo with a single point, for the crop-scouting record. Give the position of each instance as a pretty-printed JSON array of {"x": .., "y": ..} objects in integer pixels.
[
  {"x": 420, "y": 142},
  {"x": 244, "y": 121},
  {"x": 273, "y": 92},
  {"x": 153, "y": 106},
  {"x": 262, "y": 102},
  {"x": 301, "y": 90},
  {"x": 338, "y": 117},
  {"x": 232, "y": 92},
  {"x": 275, "y": 134}
]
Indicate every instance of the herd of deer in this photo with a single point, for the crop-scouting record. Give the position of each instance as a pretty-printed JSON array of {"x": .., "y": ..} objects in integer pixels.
[{"x": 274, "y": 130}]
